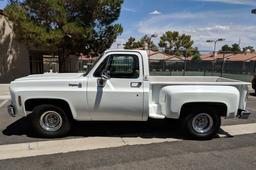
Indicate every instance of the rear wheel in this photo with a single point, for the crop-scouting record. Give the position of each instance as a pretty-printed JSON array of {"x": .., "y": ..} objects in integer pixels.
[
  {"x": 201, "y": 124},
  {"x": 50, "y": 121}
]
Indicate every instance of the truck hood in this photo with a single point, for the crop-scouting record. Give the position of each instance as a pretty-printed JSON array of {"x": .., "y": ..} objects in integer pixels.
[
  {"x": 50, "y": 76},
  {"x": 47, "y": 80}
]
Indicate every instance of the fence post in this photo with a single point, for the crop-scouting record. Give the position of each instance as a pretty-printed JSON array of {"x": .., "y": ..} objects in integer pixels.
[
  {"x": 254, "y": 68},
  {"x": 212, "y": 67},
  {"x": 222, "y": 66},
  {"x": 185, "y": 63}
]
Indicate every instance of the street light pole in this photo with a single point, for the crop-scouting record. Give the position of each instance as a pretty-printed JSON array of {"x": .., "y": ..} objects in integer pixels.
[
  {"x": 146, "y": 45},
  {"x": 214, "y": 52},
  {"x": 215, "y": 44}
]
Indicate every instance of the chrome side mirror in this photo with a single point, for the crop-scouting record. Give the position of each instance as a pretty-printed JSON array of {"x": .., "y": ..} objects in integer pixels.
[{"x": 105, "y": 75}]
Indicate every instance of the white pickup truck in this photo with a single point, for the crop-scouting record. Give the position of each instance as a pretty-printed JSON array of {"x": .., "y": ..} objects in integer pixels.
[{"x": 118, "y": 87}]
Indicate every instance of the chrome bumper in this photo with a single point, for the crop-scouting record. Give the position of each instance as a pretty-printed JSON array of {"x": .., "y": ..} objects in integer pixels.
[
  {"x": 11, "y": 111},
  {"x": 243, "y": 114}
]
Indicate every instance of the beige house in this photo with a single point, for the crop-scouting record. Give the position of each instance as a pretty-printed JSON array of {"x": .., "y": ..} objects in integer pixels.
[
  {"x": 14, "y": 56},
  {"x": 16, "y": 60}
]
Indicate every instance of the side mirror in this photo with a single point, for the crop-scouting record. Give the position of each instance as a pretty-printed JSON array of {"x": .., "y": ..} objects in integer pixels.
[{"x": 105, "y": 75}]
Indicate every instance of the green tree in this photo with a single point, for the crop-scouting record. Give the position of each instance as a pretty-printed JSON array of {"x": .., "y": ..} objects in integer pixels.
[
  {"x": 133, "y": 44},
  {"x": 234, "y": 48},
  {"x": 196, "y": 56},
  {"x": 249, "y": 48},
  {"x": 68, "y": 26},
  {"x": 174, "y": 43},
  {"x": 226, "y": 48},
  {"x": 147, "y": 40}
]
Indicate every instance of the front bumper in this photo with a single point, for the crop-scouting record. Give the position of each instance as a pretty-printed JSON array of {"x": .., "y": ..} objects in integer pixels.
[
  {"x": 243, "y": 114},
  {"x": 11, "y": 111}
]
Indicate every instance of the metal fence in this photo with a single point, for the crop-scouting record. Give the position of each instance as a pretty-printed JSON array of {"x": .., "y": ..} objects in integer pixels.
[{"x": 239, "y": 66}]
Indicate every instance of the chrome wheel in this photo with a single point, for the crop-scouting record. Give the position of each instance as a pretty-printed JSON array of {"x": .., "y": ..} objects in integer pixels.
[
  {"x": 51, "y": 121},
  {"x": 202, "y": 123}
]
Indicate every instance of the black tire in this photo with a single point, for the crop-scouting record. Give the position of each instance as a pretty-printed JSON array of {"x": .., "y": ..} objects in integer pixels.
[
  {"x": 41, "y": 128},
  {"x": 210, "y": 132}
]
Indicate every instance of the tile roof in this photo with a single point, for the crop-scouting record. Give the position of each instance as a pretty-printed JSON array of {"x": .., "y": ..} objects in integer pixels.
[
  {"x": 230, "y": 57},
  {"x": 244, "y": 57}
]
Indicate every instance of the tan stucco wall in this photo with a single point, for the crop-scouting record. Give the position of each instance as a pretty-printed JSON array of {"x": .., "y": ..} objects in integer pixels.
[{"x": 14, "y": 56}]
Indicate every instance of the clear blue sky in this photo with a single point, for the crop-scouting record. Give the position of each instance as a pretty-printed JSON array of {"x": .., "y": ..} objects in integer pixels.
[{"x": 203, "y": 19}]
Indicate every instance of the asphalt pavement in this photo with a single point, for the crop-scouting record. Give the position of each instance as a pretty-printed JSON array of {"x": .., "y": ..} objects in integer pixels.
[{"x": 223, "y": 153}]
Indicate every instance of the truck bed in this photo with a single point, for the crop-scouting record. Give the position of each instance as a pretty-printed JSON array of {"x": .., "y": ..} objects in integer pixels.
[{"x": 158, "y": 82}]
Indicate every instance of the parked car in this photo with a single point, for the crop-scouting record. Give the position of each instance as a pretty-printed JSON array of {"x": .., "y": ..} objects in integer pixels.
[{"x": 119, "y": 88}]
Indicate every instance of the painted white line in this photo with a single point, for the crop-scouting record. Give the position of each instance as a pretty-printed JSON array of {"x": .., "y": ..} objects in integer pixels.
[
  {"x": 242, "y": 129},
  {"x": 3, "y": 103},
  {"x": 82, "y": 144},
  {"x": 5, "y": 97},
  {"x": 145, "y": 141}
]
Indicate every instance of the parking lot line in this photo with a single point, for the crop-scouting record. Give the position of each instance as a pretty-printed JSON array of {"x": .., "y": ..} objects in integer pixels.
[
  {"x": 3, "y": 103},
  {"x": 21, "y": 150},
  {"x": 243, "y": 129}
]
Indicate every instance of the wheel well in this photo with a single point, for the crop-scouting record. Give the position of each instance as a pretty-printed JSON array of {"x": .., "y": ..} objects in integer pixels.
[
  {"x": 219, "y": 108},
  {"x": 30, "y": 104}
]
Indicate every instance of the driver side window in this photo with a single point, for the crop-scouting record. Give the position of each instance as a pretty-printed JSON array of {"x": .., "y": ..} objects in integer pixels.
[{"x": 120, "y": 66}]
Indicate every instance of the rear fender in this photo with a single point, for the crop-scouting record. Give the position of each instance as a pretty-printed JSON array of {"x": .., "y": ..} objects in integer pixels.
[{"x": 173, "y": 98}]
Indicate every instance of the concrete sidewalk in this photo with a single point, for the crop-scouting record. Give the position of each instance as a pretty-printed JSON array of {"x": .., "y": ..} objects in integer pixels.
[{"x": 4, "y": 91}]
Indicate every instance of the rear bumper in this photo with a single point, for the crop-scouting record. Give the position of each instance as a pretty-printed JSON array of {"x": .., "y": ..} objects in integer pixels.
[
  {"x": 243, "y": 114},
  {"x": 11, "y": 111}
]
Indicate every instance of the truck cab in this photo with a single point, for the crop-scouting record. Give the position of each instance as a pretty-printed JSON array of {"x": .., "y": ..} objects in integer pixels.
[{"x": 117, "y": 88}]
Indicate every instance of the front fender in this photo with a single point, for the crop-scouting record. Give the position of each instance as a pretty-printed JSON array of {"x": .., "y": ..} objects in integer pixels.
[
  {"x": 30, "y": 95},
  {"x": 172, "y": 98}
]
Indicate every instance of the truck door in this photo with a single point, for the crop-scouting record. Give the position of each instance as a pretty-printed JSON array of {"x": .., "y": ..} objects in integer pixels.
[{"x": 120, "y": 97}]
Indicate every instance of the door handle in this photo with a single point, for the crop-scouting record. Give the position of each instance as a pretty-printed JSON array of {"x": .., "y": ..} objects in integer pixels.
[
  {"x": 79, "y": 85},
  {"x": 136, "y": 84}
]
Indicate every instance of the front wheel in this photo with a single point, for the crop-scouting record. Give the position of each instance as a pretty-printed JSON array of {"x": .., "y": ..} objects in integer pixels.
[
  {"x": 202, "y": 124},
  {"x": 50, "y": 121}
]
